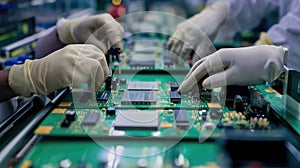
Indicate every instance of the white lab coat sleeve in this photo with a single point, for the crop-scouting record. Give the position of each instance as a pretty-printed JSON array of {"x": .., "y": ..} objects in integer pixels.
[
  {"x": 247, "y": 14},
  {"x": 287, "y": 33}
]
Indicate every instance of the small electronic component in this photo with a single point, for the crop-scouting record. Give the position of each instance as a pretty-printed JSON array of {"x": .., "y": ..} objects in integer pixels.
[
  {"x": 203, "y": 114},
  {"x": 174, "y": 86},
  {"x": 102, "y": 96},
  {"x": 128, "y": 120},
  {"x": 70, "y": 115},
  {"x": 113, "y": 54},
  {"x": 123, "y": 81},
  {"x": 65, "y": 123},
  {"x": 139, "y": 97},
  {"x": 90, "y": 118},
  {"x": 111, "y": 110},
  {"x": 181, "y": 119},
  {"x": 175, "y": 97},
  {"x": 142, "y": 86}
]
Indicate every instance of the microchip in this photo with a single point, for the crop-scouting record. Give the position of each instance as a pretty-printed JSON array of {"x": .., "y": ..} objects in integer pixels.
[
  {"x": 90, "y": 118},
  {"x": 139, "y": 97},
  {"x": 111, "y": 110},
  {"x": 142, "y": 86},
  {"x": 168, "y": 62},
  {"x": 102, "y": 96},
  {"x": 175, "y": 97},
  {"x": 65, "y": 123},
  {"x": 127, "y": 120},
  {"x": 181, "y": 119},
  {"x": 140, "y": 60},
  {"x": 123, "y": 81},
  {"x": 174, "y": 86}
]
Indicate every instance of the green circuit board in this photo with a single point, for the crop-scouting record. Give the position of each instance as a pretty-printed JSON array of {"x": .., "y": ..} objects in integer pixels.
[
  {"x": 140, "y": 114},
  {"x": 202, "y": 114},
  {"x": 146, "y": 86}
]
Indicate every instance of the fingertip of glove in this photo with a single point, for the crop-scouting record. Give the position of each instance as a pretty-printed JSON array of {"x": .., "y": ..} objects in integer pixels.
[{"x": 206, "y": 84}]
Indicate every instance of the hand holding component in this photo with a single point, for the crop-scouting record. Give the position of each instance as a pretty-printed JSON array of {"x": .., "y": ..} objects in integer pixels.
[
  {"x": 71, "y": 65},
  {"x": 236, "y": 66},
  {"x": 101, "y": 30},
  {"x": 197, "y": 33}
]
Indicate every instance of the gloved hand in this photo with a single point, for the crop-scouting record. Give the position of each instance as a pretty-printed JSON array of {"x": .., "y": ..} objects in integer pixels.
[
  {"x": 236, "y": 66},
  {"x": 101, "y": 30},
  {"x": 264, "y": 39},
  {"x": 197, "y": 33},
  {"x": 71, "y": 65}
]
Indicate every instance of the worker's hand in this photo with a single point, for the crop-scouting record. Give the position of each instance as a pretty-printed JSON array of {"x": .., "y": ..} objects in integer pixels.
[
  {"x": 101, "y": 30},
  {"x": 236, "y": 66},
  {"x": 71, "y": 65},
  {"x": 197, "y": 33},
  {"x": 264, "y": 39}
]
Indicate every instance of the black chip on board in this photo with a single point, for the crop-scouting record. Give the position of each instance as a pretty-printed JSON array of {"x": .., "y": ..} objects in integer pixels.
[
  {"x": 102, "y": 96},
  {"x": 90, "y": 118},
  {"x": 174, "y": 86},
  {"x": 175, "y": 97}
]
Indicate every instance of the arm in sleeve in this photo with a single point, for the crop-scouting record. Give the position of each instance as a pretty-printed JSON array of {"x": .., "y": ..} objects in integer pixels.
[
  {"x": 287, "y": 33},
  {"x": 48, "y": 44},
  {"x": 247, "y": 14}
]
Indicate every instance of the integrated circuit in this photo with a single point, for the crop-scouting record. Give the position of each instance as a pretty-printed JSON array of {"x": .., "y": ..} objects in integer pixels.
[
  {"x": 168, "y": 62},
  {"x": 102, "y": 96},
  {"x": 139, "y": 97},
  {"x": 128, "y": 120},
  {"x": 142, "y": 60},
  {"x": 181, "y": 119},
  {"x": 142, "y": 86},
  {"x": 174, "y": 86},
  {"x": 91, "y": 118},
  {"x": 175, "y": 97}
]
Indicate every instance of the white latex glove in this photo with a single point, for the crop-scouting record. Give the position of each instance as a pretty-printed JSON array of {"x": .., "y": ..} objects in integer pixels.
[
  {"x": 237, "y": 66},
  {"x": 101, "y": 30},
  {"x": 197, "y": 33},
  {"x": 71, "y": 65}
]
